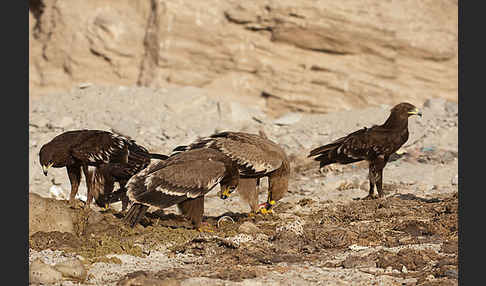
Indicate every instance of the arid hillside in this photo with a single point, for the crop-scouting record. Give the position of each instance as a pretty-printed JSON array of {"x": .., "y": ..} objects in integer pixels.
[{"x": 315, "y": 56}]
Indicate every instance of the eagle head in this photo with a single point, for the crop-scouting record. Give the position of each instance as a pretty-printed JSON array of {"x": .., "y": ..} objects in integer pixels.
[{"x": 406, "y": 109}]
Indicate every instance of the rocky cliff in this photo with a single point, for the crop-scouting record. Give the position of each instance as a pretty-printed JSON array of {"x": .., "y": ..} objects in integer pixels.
[{"x": 314, "y": 56}]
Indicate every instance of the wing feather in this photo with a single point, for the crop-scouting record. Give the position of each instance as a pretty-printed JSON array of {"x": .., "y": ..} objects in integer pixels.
[
  {"x": 167, "y": 182},
  {"x": 254, "y": 154}
]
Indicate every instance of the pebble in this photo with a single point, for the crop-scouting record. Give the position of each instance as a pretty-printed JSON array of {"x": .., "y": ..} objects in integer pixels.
[
  {"x": 436, "y": 104},
  {"x": 42, "y": 273},
  {"x": 451, "y": 273},
  {"x": 455, "y": 180},
  {"x": 72, "y": 268},
  {"x": 84, "y": 85},
  {"x": 288, "y": 119},
  {"x": 42, "y": 122},
  {"x": 248, "y": 227},
  {"x": 451, "y": 107},
  {"x": 404, "y": 269}
]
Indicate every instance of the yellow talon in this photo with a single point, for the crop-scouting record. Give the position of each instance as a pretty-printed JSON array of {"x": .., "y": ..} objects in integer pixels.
[
  {"x": 225, "y": 193},
  {"x": 106, "y": 207},
  {"x": 203, "y": 229},
  {"x": 264, "y": 211},
  {"x": 272, "y": 202}
]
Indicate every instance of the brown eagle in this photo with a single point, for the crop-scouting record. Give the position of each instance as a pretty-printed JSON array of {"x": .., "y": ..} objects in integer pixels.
[
  {"x": 182, "y": 179},
  {"x": 106, "y": 174},
  {"x": 81, "y": 149},
  {"x": 256, "y": 157},
  {"x": 374, "y": 145}
]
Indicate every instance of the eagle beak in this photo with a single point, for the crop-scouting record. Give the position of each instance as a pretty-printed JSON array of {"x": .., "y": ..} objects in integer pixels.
[
  {"x": 416, "y": 111},
  {"x": 226, "y": 193},
  {"x": 46, "y": 168}
]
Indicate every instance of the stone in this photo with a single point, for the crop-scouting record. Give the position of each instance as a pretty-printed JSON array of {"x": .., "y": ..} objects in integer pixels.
[
  {"x": 248, "y": 228},
  {"x": 47, "y": 214},
  {"x": 42, "y": 273},
  {"x": 435, "y": 104},
  {"x": 288, "y": 119},
  {"x": 455, "y": 180},
  {"x": 72, "y": 268}
]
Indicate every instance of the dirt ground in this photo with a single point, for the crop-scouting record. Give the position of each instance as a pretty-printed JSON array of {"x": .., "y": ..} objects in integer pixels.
[{"x": 320, "y": 233}]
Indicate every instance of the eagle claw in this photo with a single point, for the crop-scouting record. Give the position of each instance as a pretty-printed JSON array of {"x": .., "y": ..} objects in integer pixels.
[{"x": 266, "y": 208}]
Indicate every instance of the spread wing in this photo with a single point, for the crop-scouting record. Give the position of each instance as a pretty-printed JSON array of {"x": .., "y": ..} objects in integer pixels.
[{"x": 163, "y": 184}]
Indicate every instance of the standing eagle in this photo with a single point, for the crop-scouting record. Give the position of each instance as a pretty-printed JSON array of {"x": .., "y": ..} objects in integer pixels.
[
  {"x": 256, "y": 157},
  {"x": 182, "y": 179},
  {"x": 106, "y": 174},
  {"x": 374, "y": 145},
  {"x": 81, "y": 149}
]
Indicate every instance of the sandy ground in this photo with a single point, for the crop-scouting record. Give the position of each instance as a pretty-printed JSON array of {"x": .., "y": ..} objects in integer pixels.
[{"x": 320, "y": 234}]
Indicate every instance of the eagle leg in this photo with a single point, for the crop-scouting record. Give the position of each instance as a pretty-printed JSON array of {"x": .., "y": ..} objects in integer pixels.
[
  {"x": 376, "y": 176},
  {"x": 124, "y": 197},
  {"x": 379, "y": 185},
  {"x": 88, "y": 175},
  {"x": 371, "y": 178},
  {"x": 194, "y": 209},
  {"x": 266, "y": 207},
  {"x": 125, "y": 201},
  {"x": 74, "y": 174}
]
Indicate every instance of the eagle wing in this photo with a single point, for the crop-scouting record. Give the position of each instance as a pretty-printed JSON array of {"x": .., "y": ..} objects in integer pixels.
[
  {"x": 254, "y": 155},
  {"x": 363, "y": 144},
  {"x": 369, "y": 143},
  {"x": 102, "y": 147},
  {"x": 163, "y": 184}
]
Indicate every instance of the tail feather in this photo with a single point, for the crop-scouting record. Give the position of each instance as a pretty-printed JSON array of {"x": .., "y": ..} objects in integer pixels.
[
  {"x": 323, "y": 149},
  {"x": 135, "y": 214}
]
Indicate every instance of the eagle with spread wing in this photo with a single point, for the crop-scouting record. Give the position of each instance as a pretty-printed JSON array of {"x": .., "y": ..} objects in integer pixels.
[
  {"x": 87, "y": 149},
  {"x": 256, "y": 157},
  {"x": 374, "y": 145},
  {"x": 182, "y": 179}
]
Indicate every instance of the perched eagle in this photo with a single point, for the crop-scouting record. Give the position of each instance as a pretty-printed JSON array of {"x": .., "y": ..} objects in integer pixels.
[
  {"x": 256, "y": 157},
  {"x": 81, "y": 149},
  {"x": 374, "y": 145},
  {"x": 182, "y": 179}
]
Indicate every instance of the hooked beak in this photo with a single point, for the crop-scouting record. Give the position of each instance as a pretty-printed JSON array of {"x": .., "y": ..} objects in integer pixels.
[
  {"x": 46, "y": 168},
  {"x": 416, "y": 111},
  {"x": 225, "y": 193}
]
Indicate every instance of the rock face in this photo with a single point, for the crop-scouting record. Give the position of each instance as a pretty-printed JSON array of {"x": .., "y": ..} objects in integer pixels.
[{"x": 314, "y": 56}]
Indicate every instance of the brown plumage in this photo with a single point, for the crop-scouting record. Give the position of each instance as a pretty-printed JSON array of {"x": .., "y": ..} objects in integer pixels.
[
  {"x": 82, "y": 149},
  {"x": 182, "y": 179},
  {"x": 106, "y": 174},
  {"x": 374, "y": 145},
  {"x": 256, "y": 157}
]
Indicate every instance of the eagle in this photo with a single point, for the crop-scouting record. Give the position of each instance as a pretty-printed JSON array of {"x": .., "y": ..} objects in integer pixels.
[
  {"x": 106, "y": 174},
  {"x": 182, "y": 179},
  {"x": 374, "y": 145},
  {"x": 256, "y": 157},
  {"x": 86, "y": 150}
]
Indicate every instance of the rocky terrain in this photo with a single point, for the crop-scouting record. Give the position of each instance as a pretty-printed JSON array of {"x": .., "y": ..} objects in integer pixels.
[
  {"x": 320, "y": 232},
  {"x": 314, "y": 56}
]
